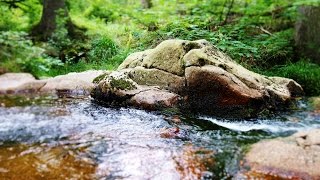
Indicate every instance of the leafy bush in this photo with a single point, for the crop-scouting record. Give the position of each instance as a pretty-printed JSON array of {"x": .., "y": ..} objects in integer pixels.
[
  {"x": 19, "y": 54},
  {"x": 102, "y": 49},
  {"x": 275, "y": 49},
  {"x": 102, "y": 12},
  {"x": 19, "y": 15}
]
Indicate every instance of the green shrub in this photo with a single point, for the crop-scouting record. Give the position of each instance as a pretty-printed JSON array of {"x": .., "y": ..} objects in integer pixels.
[
  {"x": 102, "y": 49},
  {"x": 102, "y": 12},
  {"x": 19, "y": 54},
  {"x": 305, "y": 73},
  {"x": 275, "y": 49}
]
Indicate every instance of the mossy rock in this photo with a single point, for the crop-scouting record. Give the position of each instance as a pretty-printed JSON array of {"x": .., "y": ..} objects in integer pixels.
[
  {"x": 101, "y": 77},
  {"x": 123, "y": 84}
]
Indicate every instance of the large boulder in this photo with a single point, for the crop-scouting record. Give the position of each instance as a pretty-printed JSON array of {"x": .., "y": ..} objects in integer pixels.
[
  {"x": 294, "y": 157},
  {"x": 206, "y": 79},
  {"x": 72, "y": 83},
  {"x": 118, "y": 89}
]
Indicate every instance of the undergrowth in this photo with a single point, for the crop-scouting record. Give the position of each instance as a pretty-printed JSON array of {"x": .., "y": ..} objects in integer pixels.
[{"x": 258, "y": 34}]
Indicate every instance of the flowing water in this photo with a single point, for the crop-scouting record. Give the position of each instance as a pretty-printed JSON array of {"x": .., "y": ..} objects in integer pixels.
[{"x": 74, "y": 138}]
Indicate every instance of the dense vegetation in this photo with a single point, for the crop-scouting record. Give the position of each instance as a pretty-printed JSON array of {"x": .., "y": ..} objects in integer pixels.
[{"x": 259, "y": 34}]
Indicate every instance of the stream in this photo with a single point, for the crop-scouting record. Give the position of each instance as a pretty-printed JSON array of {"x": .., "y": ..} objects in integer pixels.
[{"x": 49, "y": 137}]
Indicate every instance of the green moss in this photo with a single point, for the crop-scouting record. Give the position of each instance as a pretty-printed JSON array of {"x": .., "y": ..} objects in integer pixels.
[
  {"x": 305, "y": 73},
  {"x": 100, "y": 77},
  {"x": 124, "y": 84}
]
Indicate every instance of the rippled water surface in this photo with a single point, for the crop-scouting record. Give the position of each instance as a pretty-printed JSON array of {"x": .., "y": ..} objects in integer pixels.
[{"x": 65, "y": 138}]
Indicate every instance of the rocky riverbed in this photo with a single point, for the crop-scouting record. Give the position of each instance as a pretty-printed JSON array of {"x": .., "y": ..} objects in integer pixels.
[{"x": 55, "y": 137}]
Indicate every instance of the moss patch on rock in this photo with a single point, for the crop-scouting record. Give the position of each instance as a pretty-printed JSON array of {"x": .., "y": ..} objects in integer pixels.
[
  {"x": 123, "y": 84},
  {"x": 100, "y": 77}
]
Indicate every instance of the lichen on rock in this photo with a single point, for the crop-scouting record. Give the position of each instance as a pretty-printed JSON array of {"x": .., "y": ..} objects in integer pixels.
[{"x": 120, "y": 80}]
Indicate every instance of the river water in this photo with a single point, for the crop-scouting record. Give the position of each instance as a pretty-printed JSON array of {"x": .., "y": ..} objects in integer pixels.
[{"x": 74, "y": 138}]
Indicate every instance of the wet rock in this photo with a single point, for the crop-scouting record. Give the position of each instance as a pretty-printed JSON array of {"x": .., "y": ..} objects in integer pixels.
[
  {"x": 154, "y": 99},
  {"x": 294, "y": 157},
  {"x": 315, "y": 102},
  {"x": 42, "y": 162},
  {"x": 195, "y": 163},
  {"x": 174, "y": 133},
  {"x": 208, "y": 80},
  {"x": 74, "y": 83}
]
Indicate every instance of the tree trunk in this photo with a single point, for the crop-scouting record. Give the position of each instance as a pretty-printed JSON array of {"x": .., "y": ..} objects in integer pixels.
[
  {"x": 307, "y": 36},
  {"x": 146, "y": 4},
  {"x": 48, "y": 22}
]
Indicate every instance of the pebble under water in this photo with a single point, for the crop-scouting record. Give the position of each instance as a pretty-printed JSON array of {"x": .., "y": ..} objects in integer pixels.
[{"x": 74, "y": 138}]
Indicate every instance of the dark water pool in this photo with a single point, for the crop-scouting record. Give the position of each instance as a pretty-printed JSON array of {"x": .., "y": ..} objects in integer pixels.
[{"x": 74, "y": 138}]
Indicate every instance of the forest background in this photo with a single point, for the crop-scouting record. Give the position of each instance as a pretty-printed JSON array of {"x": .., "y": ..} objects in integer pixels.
[{"x": 54, "y": 37}]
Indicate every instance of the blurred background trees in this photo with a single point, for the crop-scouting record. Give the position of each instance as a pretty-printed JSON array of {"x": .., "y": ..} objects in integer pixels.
[
  {"x": 146, "y": 4},
  {"x": 272, "y": 37}
]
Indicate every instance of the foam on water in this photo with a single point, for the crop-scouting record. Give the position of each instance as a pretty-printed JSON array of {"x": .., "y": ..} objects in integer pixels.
[{"x": 274, "y": 125}]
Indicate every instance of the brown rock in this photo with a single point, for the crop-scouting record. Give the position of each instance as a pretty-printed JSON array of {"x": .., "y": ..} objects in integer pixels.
[
  {"x": 195, "y": 163},
  {"x": 3, "y": 70},
  {"x": 154, "y": 99},
  {"x": 72, "y": 82},
  {"x": 11, "y": 83},
  {"x": 43, "y": 162},
  {"x": 170, "y": 133},
  {"x": 294, "y": 157},
  {"x": 214, "y": 90}
]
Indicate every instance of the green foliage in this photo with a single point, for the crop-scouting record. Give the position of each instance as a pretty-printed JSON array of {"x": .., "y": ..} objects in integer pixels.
[
  {"x": 102, "y": 49},
  {"x": 304, "y": 72},
  {"x": 60, "y": 38},
  {"x": 102, "y": 12},
  {"x": 8, "y": 15},
  {"x": 258, "y": 34},
  {"x": 19, "y": 54},
  {"x": 21, "y": 16},
  {"x": 275, "y": 49}
]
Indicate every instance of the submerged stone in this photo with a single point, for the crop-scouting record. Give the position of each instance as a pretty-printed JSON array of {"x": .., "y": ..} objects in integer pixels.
[
  {"x": 38, "y": 162},
  {"x": 294, "y": 157}
]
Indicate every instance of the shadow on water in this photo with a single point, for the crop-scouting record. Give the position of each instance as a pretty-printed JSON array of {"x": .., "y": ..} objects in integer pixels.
[{"x": 73, "y": 138}]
